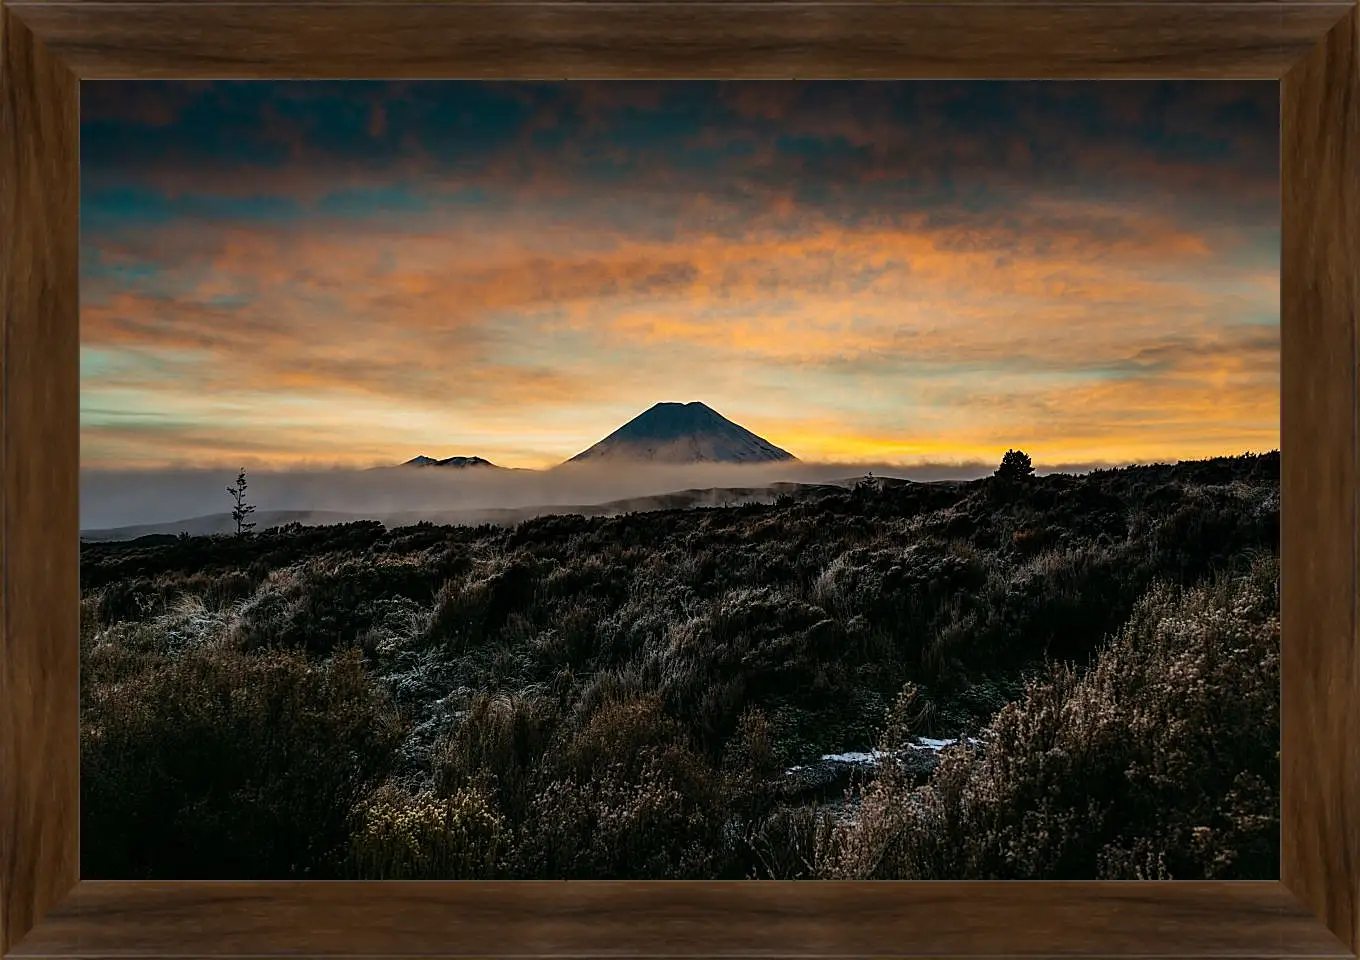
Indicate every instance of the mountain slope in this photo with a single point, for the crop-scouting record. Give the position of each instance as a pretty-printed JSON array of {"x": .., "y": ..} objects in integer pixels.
[
  {"x": 683, "y": 433},
  {"x": 459, "y": 462}
]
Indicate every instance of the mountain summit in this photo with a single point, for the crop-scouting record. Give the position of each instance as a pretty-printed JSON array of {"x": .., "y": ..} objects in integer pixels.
[
  {"x": 424, "y": 461},
  {"x": 683, "y": 433}
]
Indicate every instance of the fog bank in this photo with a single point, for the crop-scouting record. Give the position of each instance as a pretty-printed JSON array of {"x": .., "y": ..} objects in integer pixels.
[{"x": 112, "y": 499}]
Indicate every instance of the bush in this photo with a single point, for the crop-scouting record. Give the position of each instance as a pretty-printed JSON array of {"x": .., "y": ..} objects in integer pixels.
[
  {"x": 403, "y": 836},
  {"x": 217, "y": 764},
  {"x": 669, "y": 821},
  {"x": 501, "y": 740},
  {"x": 1160, "y": 760},
  {"x": 793, "y": 842},
  {"x": 618, "y": 738}
]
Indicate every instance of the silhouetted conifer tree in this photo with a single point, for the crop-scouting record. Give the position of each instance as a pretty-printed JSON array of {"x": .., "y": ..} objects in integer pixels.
[
  {"x": 240, "y": 509},
  {"x": 1015, "y": 465}
]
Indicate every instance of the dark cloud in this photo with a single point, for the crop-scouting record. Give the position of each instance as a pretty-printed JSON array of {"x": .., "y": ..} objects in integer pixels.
[{"x": 849, "y": 149}]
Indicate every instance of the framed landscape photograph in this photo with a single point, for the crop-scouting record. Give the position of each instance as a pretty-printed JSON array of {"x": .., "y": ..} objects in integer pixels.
[
  {"x": 677, "y": 471},
  {"x": 365, "y": 595}
]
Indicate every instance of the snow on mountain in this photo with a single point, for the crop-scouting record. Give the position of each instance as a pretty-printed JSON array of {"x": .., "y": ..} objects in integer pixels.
[
  {"x": 424, "y": 461},
  {"x": 465, "y": 462},
  {"x": 683, "y": 433}
]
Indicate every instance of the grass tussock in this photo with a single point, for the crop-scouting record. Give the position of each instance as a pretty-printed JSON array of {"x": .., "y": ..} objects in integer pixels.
[{"x": 648, "y": 696}]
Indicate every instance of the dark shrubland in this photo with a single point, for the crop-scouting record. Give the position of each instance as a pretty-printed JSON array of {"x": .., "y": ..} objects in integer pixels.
[
  {"x": 650, "y": 695},
  {"x": 216, "y": 762},
  {"x": 1159, "y": 761}
]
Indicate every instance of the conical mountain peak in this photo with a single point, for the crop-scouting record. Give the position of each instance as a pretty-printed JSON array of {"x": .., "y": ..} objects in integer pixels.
[{"x": 673, "y": 432}]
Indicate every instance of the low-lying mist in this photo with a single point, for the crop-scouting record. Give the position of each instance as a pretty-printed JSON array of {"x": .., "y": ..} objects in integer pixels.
[{"x": 115, "y": 499}]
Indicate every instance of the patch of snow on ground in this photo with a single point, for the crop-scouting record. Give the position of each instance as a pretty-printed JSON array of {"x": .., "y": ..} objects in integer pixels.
[
  {"x": 935, "y": 744},
  {"x": 873, "y": 757}
]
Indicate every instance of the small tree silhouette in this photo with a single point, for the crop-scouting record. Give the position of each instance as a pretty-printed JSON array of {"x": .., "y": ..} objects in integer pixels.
[
  {"x": 1015, "y": 465},
  {"x": 240, "y": 509}
]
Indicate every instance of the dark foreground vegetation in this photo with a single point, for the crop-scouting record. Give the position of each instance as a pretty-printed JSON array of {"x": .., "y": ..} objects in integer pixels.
[{"x": 625, "y": 697}]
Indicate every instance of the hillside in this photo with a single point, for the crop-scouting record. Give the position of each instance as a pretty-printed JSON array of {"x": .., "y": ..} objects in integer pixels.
[
  {"x": 689, "y": 693},
  {"x": 682, "y": 433}
]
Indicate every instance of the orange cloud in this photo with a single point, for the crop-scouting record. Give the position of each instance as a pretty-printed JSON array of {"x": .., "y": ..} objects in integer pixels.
[{"x": 1092, "y": 328}]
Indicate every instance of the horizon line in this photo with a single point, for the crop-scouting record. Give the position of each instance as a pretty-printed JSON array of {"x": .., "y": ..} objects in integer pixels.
[{"x": 1059, "y": 466}]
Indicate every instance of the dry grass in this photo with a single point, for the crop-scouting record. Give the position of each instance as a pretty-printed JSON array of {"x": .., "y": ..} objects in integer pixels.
[
  {"x": 1160, "y": 761},
  {"x": 619, "y": 698}
]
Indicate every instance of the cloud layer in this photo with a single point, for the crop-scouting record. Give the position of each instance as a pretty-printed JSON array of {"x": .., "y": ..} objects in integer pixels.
[{"x": 301, "y": 274}]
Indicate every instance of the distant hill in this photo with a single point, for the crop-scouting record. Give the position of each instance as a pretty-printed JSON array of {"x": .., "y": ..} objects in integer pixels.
[
  {"x": 674, "y": 433},
  {"x": 677, "y": 500},
  {"x": 218, "y": 523},
  {"x": 424, "y": 461}
]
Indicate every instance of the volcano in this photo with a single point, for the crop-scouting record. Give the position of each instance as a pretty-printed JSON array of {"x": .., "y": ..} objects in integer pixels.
[{"x": 683, "y": 433}]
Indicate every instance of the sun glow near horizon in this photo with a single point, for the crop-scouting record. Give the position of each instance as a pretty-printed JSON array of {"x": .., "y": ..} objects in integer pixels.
[{"x": 286, "y": 274}]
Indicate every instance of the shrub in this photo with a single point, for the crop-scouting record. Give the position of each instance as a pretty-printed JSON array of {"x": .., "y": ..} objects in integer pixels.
[
  {"x": 1160, "y": 760},
  {"x": 668, "y": 822},
  {"x": 475, "y": 608},
  {"x": 793, "y": 843},
  {"x": 399, "y": 835},
  {"x": 501, "y": 739},
  {"x": 618, "y": 737},
  {"x": 217, "y": 764},
  {"x": 132, "y": 599},
  {"x": 752, "y": 751}
]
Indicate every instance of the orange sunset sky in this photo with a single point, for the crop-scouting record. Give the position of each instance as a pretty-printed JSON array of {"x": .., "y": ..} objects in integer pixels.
[{"x": 286, "y": 274}]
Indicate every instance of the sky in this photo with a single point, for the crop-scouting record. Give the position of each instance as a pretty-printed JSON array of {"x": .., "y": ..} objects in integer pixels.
[{"x": 290, "y": 275}]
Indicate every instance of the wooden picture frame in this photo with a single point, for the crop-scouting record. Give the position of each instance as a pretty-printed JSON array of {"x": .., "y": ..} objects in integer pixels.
[{"x": 46, "y": 48}]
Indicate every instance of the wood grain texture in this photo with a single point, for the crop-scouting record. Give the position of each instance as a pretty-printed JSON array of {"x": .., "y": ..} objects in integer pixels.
[
  {"x": 39, "y": 750},
  {"x": 764, "y": 4},
  {"x": 678, "y": 39},
  {"x": 1320, "y": 482},
  {"x": 674, "y": 919},
  {"x": 493, "y": 38}
]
